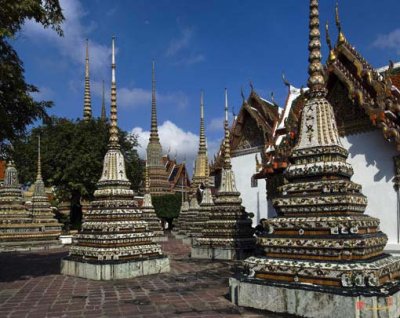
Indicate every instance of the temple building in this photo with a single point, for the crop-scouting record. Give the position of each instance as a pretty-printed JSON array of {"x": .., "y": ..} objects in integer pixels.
[
  {"x": 251, "y": 130},
  {"x": 87, "y": 104},
  {"x": 228, "y": 234},
  {"x": 366, "y": 106},
  {"x": 322, "y": 253},
  {"x": 115, "y": 242},
  {"x": 159, "y": 183},
  {"x": 178, "y": 177},
  {"x": 149, "y": 214}
]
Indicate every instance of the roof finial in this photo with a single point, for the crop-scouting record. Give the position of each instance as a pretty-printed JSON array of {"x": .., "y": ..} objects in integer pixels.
[
  {"x": 39, "y": 162},
  {"x": 242, "y": 94},
  {"x": 272, "y": 98},
  {"x": 227, "y": 146},
  {"x": 154, "y": 128},
  {"x": 285, "y": 81},
  {"x": 202, "y": 142},
  {"x": 251, "y": 86},
  {"x": 103, "y": 106},
  {"x": 341, "y": 38},
  {"x": 87, "y": 104},
  {"x": 113, "y": 141},
  {"x": 316, "y": 81},
  {"x": 332, "y": 55}
]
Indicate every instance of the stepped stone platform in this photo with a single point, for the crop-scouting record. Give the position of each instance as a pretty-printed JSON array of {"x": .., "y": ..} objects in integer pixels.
[{"x": 31, "y": 286}]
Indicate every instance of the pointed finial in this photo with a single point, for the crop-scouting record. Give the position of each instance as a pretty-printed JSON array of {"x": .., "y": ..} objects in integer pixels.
[
  {"x": 202, "y": 140},
  {"x": 272, "y": 98},
  {"x": 332, "y": 55},
  {"x": 227, "y": 147},
  {"x": 39, "y": 163},
  {"x": 251, "y": 86},
  {"x": 285, "y": 81},
  {"x": 316, "y": 80},
  {"x": 103, "y": 106},
  {"x": 341, "y": 38},
  {"x": 242, "y": 94},
  {"x": 87, "y": 103},
  {"x": 113, "y": 141}
]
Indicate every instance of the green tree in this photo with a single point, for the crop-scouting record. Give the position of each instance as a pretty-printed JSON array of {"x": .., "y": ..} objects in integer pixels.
[
  {"x": 72, "y": 156},
  {"x": 167, "y": 206},
  {"x": 17, "y": 107}
]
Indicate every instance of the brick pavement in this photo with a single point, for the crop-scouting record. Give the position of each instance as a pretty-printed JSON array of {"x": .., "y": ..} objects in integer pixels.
[{"x": 31, "y": 286}]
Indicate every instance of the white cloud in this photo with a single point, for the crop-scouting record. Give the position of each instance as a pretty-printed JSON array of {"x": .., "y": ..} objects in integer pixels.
[
  {"x": 190, "y": 60},
  {"x": 72, "y": 44},
  {"x": 138, "y": 97},
  {"x": 181, "y": 49},
  {"x": 178, "y": 44},
  {"x": 389, "y": 41},
  {"x": 45, "y": 93},
  {"x": 216, "y": 124},
  {"x": 176, "y": 140}
]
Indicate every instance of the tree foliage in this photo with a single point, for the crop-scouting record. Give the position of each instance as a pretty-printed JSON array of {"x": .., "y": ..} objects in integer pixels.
[
  {"x": 72, "y": 156},
  {"x": 168, "y": 205},
  {"x": 17, "y": 107}
]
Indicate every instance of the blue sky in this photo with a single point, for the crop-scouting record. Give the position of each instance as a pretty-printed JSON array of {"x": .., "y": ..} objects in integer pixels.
[{"x": 197, "y": 45}]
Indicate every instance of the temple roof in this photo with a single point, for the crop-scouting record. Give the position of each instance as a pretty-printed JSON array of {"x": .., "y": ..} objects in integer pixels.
[
  {"x": 368, "y": 99},
  {"x": 252, "y": 128}
]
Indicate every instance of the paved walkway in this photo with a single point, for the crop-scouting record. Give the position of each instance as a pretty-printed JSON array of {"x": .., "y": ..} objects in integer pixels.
[{"x": 31, "y": 286}]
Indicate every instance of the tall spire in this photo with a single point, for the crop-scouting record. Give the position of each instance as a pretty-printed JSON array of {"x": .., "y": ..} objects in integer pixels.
[
  {"x": 39, "y": 163},
  {"x": 227, "y": 146},
  {"x": 103, "y": 106},
  {"x": 146, "y": 179},
  {"x": 87, "y": 105},
  {"x": 202, "y": 143},
  {"x": 318, "y": 124},
  {"x": 316, "y": 81},
  {"x": 113, "y": 141},
  {"x": 154, "y": 129}
]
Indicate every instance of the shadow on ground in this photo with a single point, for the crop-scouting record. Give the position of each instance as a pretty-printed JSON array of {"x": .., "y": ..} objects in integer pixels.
[{"x": 17, "y": 266}]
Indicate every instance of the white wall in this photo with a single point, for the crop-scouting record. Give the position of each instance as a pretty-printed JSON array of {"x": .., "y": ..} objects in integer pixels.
[
  {"x": 254, "y": 199},
  {"x": 372, "y": 160}
]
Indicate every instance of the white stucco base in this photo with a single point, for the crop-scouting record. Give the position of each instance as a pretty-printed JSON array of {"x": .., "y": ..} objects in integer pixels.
[
  {"x": 27, "y": 246},
  {"x": 312, "y": 304},
  {"x": 115, "y": 271},
  {"x": 254, "y": 199},
  {"x": 372, "y": 159}
]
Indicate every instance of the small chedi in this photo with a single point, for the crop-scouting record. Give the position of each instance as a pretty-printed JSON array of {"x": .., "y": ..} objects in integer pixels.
[
  {"x": 323, "y": 256},
  {"x": 228, "y": 234},
  {"x": 114, "y": 242},
  {"x": 41, "y": 209},
  {"x": 149, "y": 213},
  {"x": 181, "y": 220},
  {"x": 191, "y": 216},
  {"x": 206, "y": 206},
  {"x": 199, "y": 180},
  {"x": 20, "y": 228}
]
